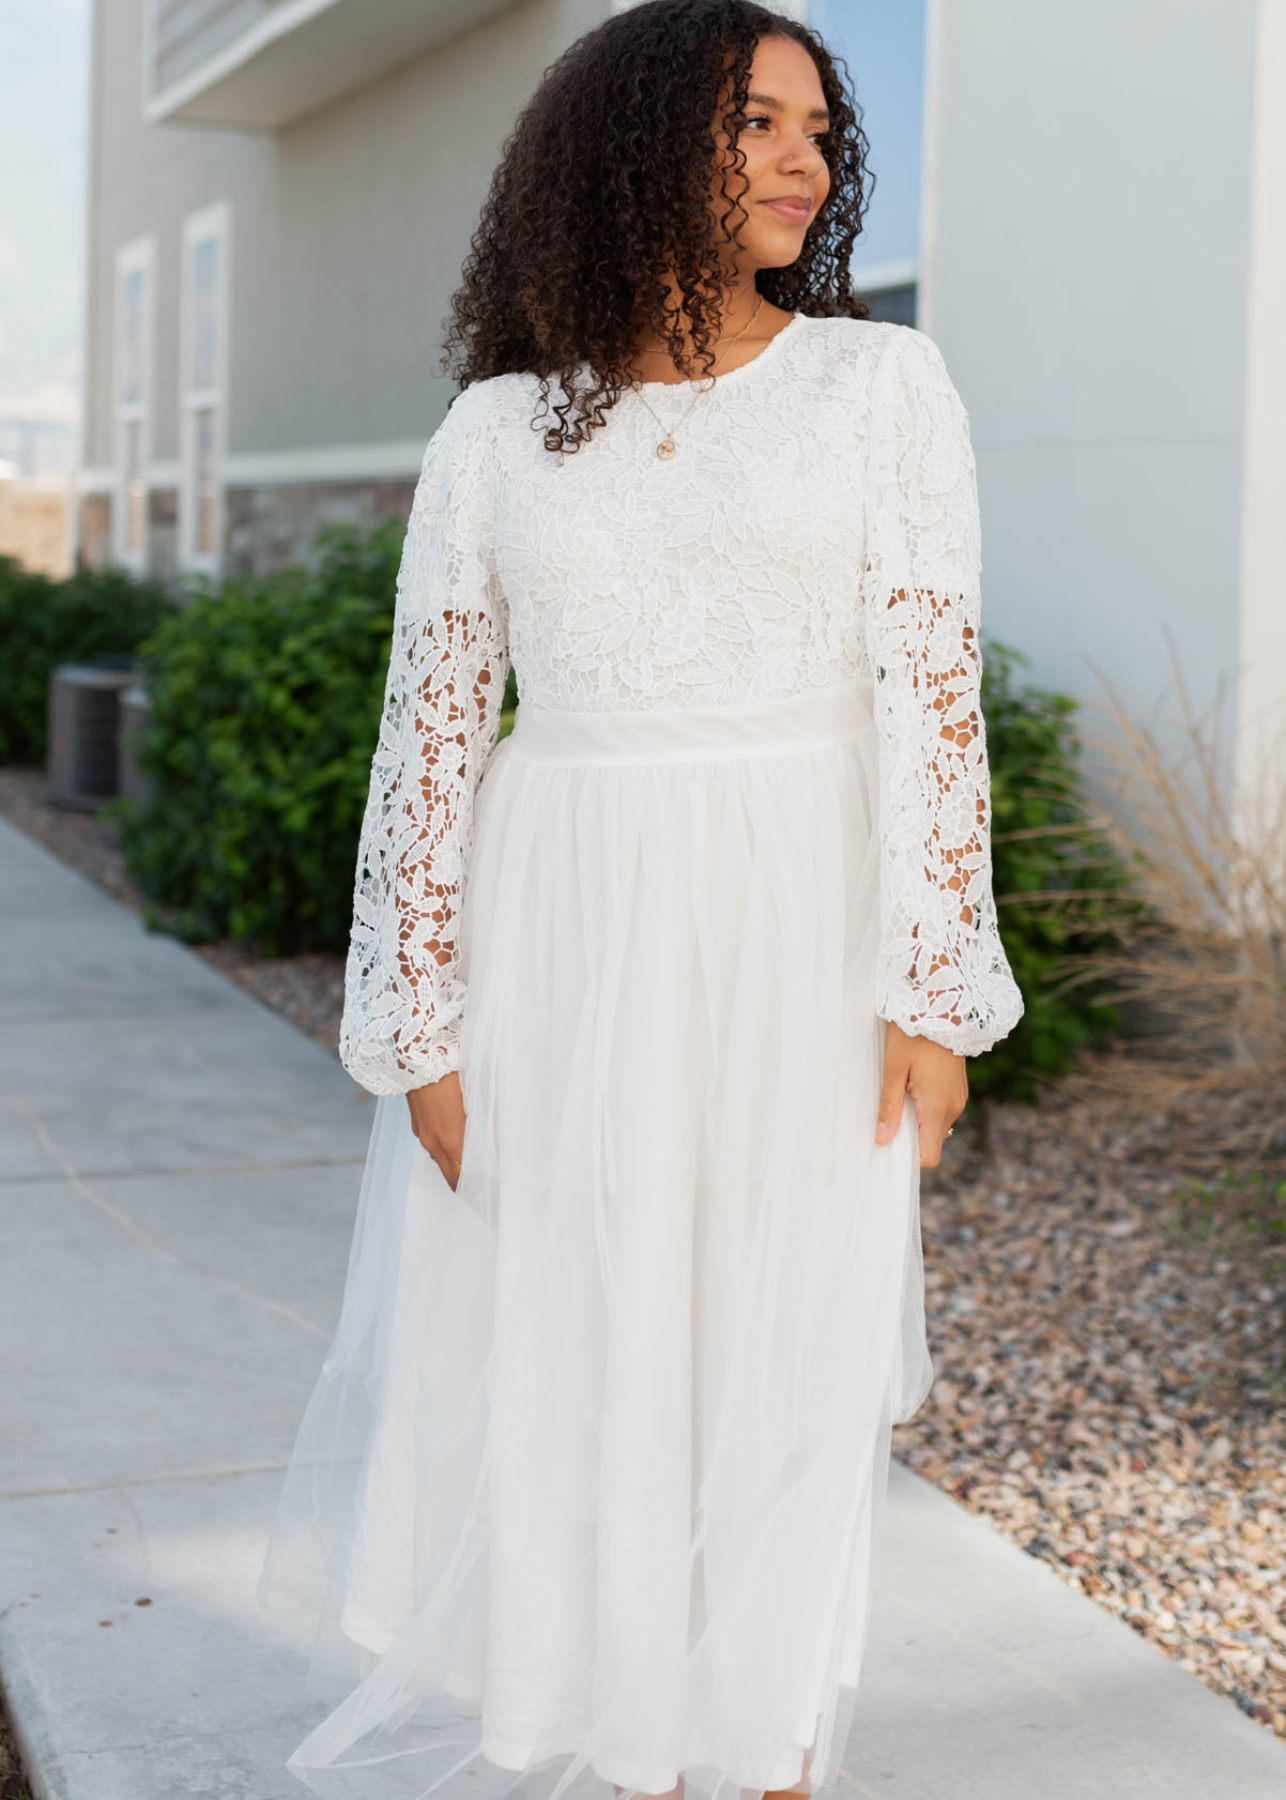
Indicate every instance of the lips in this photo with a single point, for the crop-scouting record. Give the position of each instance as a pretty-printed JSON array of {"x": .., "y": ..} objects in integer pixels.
[{"x": 789, "y": 207}]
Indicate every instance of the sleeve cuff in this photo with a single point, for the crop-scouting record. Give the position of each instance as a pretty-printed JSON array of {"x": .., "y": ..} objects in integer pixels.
[
  {"x": 979, "y": 1029},
  {"x": 379, "y": 1070}
]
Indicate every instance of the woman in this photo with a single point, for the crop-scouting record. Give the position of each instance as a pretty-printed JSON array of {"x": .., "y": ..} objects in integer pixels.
[{"x": 589, "y": 1492}]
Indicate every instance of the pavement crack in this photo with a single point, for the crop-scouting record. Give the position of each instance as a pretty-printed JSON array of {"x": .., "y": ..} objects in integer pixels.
[
  {"x": 145, "y": 1171},
  {"x": 143, "y": 1239},
  {"x": 273, "y": 1466},
  {"x": 118, "y": 1216}
]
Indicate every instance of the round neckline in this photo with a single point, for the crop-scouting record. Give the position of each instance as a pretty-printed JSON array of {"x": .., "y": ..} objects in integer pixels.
[{"x": 691, "y": 381}]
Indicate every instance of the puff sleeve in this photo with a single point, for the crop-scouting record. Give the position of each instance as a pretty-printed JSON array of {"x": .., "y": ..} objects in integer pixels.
[
  {"x": 449, "y": 658},
  {"x": 943, "y": 971}
]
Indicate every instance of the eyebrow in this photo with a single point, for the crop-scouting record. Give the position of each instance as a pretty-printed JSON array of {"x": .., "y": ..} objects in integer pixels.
[{"x": 818, "y": 112}]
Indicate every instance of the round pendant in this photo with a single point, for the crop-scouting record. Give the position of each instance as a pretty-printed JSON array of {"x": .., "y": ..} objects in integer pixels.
[{"x": 666, "y": 448}]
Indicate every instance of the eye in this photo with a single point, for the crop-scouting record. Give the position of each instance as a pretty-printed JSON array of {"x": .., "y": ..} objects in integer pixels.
[{"x": 819, "y": 137}]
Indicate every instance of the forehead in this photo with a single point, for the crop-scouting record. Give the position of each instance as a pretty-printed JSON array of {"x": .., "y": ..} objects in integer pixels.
[{"x": 783, "y": 70}]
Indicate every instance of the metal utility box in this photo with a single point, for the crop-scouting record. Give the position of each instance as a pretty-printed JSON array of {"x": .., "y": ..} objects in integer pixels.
[{"x": 84, "y": 724}]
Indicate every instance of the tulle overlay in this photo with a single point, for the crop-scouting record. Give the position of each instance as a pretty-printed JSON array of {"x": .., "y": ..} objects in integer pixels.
[{"x": 590, "y": 1488}]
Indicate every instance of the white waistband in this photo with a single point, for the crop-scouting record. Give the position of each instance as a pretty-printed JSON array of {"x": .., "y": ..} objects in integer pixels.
[{"x": 831, "y": 715}]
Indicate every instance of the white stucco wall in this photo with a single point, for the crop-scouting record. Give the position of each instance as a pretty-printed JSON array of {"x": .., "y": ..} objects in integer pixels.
[
  {"x": 1261, "y": 736},
  {"x": 348, "y": 231},
  {"x": 1088, "y": 203},
  {"x": 142, "y": 181}
]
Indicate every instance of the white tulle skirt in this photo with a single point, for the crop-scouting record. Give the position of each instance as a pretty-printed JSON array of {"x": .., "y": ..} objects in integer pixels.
[{"x": 590, "y": 1486}]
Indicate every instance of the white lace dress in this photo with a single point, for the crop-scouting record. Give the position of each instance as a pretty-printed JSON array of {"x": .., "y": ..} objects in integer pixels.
[{"x": 590, "y": 1486}]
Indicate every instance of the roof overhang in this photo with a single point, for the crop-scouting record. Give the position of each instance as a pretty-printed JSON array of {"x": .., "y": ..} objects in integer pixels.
[{"x": 262, "y": 65}]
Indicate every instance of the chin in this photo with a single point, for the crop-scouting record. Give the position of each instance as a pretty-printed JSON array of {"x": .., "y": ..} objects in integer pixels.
[
  {"x": 775, "y": 234},
  {"x": 773, "y": 250}
]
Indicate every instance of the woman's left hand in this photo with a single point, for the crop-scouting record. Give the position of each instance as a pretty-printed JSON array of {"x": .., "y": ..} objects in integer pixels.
[{"x": 937, "y": 1083}]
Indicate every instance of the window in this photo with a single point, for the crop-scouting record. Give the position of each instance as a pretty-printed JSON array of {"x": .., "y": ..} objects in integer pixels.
[
  {"x": 891, "y": 289},
  {"x": 895, "y": 304},
  {"x": 132, "y": 382},
  {"x": 203, "y": 349}
]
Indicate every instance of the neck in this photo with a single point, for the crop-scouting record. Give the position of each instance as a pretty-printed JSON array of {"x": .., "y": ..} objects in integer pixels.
[{"x": 740, "y": 299}]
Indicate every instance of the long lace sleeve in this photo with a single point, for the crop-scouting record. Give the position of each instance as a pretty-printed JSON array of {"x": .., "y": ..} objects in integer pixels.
[
  {"x": 403, "y": 998},
  {"x": 943, "y": 971}
]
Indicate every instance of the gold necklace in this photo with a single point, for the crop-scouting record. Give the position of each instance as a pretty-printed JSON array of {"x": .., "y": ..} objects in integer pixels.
[{"x": 667, "y": 446}]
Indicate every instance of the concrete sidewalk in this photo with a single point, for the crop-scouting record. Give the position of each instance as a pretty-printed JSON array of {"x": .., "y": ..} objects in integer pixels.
[{"x": 178, "y": 1174}]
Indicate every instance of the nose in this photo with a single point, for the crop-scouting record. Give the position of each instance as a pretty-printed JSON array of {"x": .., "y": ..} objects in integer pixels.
[{"x": 801, "y": 154}]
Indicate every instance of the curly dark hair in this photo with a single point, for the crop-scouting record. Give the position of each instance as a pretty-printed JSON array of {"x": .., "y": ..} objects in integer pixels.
[{"x": 598, "y": 192}]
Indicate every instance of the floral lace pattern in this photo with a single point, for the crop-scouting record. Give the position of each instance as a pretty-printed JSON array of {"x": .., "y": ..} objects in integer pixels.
[
  {"x": 819, "y": 522},
  {"x": 449, "y": 658},
  {"x": 943, "y": 971}
]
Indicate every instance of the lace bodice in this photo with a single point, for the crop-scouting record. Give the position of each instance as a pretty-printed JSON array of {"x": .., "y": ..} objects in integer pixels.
[{"x": 818, "y": 522}]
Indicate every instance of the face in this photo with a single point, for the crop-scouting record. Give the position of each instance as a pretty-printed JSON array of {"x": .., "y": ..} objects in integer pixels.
[{"x": 785, "y": 178}]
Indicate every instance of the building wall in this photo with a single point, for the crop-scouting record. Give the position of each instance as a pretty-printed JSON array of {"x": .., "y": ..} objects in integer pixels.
[
  {"x": 347, "y": 233},
  {"x": 1088, "y": 191},
  {"x": 365, "y": 216},
  {"x": 145, "y": 180},
  {"x": 273, "y": 525},
  {"x": 94, "y": 528},
  {"x": 1261, "y": 745},
  {"x": 33, "y": 524}
]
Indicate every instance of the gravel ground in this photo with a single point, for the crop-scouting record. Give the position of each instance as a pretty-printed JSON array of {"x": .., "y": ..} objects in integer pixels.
[
  {"x": 1110, "y": 1350},
  {"x": 1111, "y": 1375}
]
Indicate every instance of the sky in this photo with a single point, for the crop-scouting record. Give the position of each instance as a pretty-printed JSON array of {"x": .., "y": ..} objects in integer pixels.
[
  {"x": 44, "y": 76},
  {"x": 44, "y": 88},
  {"x": 882, "y": 43}
]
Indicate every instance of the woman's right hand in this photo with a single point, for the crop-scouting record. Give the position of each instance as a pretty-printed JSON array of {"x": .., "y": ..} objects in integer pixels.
[{"x": 437, "y": 1119}]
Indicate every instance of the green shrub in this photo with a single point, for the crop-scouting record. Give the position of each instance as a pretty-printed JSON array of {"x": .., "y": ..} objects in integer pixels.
[
  {"x": 94, "y": 612},
  {"x": 1060, "y": 890},
  {"x": 266, "y": 697}
]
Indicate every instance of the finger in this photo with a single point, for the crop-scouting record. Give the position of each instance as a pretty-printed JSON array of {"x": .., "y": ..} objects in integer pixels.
[
  {"x": 892, "y": 1097},
  {"x": 933, "y": 1135},
  {"x": 455, "y": 1151},
  {"x": 447, "y": 1164}
]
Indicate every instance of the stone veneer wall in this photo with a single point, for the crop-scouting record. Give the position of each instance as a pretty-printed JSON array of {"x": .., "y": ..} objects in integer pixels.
[
  {"x": 33, "y": 526},
  {"x": 163, "y": 533},
  {"x": 265, "y": 528},
  {"x": 269, "y": 528},
  {"x": 95, "y": 529}
]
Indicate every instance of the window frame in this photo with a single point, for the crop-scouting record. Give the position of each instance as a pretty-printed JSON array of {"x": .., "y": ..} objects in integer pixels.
[
  {"x": 208, "y": 224},
  {"x": 137, "y": 257}
]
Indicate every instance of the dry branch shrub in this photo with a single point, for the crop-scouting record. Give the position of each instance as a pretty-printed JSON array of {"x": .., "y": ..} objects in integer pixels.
[{"x": 1204, "y": 956}]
